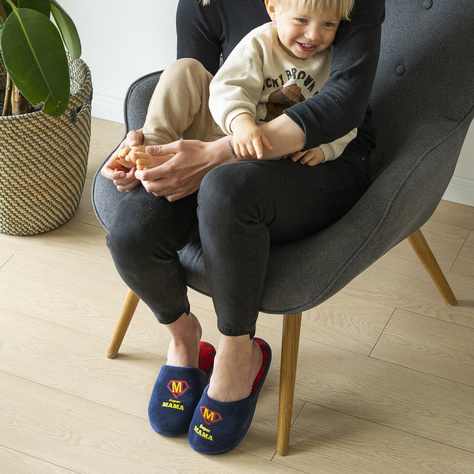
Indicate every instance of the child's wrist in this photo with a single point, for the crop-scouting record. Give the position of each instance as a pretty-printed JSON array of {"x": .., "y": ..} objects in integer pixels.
[{"x": 239, "y": 120}]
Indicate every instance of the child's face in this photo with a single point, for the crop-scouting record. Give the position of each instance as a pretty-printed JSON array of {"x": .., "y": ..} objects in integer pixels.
[{"x": 303, "y": 34}]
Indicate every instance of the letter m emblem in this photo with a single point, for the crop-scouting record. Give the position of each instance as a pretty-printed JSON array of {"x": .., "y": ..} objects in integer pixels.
[
  {"x": 177, "y": 387},
  {"x": 209, "y": 416}
]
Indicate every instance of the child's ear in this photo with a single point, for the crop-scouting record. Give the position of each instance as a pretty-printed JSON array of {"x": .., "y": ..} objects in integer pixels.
[{"x": 270, "y": 8}]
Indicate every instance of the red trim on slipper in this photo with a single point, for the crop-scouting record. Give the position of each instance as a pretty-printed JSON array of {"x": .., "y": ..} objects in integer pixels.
[
  {"x": 206, "y": 356},
  {"x": 259, "y": 376}
]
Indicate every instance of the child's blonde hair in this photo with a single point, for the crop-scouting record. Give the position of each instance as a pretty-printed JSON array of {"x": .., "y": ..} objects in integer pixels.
[{"x": 339, "y": 8}]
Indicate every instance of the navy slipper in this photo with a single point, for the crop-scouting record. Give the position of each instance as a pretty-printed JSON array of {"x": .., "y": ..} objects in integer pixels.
[
  {"x": 176, "y": 393},
  {"x": 218, "y": 427}
]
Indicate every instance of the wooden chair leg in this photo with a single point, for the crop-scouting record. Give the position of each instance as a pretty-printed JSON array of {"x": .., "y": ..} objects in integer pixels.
[
  {"x": 422, "y": 249},
  {"x": 128, "y": 309},
  {"x": 289, "y": 360}
]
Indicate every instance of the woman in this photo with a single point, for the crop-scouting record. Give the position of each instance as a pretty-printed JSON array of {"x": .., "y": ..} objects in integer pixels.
[{"x": 244, "y": 206}]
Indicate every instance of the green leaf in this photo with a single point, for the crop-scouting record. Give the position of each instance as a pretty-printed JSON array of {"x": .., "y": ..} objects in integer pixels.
[
  {"x": 68, "y": 30},
  {"x": 42, "y": 6},
  {"x": 34, "y": 56}
]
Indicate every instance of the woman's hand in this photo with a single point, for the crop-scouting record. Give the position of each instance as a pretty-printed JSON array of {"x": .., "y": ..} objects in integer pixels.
[
  {"x": 193, "y": 159},
  {"x": 183, "y": 173},
  {"x": 311, "y": 157},
  {"x": 123, "y": 177}
]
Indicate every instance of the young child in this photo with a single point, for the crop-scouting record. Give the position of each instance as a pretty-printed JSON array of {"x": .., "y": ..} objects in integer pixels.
[{"x": 274, "y": 67}]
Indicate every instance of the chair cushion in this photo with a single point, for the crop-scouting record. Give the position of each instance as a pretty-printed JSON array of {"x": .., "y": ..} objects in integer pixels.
[{"x": 422, "y": 104}]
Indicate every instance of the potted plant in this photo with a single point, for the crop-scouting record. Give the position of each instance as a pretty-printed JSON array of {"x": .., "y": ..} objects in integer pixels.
[{"x": 45, "y": 99}]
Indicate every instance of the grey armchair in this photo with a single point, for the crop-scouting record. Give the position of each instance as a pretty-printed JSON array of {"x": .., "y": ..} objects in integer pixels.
[{"x": 422, "y": 105}]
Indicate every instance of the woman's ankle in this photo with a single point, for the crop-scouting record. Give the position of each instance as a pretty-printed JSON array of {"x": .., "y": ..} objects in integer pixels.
[
  {"x": 184, "y": 345},
  {"x": 236, "y": 366}
]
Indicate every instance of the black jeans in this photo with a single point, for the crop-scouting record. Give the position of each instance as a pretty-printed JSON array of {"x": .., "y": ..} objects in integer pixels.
[{"x": 240, "y": 209}]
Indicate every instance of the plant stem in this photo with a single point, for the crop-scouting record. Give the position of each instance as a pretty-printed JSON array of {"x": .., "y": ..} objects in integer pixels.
[
  {"x": 3, "y": 13},
  {"x": 19, "y": 103},
  {"x": 8, "y": 84},
  {"x": 8, "y": 96}
]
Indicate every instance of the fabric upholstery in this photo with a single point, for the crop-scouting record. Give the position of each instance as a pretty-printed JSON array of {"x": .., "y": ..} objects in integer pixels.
[{"x": 422, "y": 105}]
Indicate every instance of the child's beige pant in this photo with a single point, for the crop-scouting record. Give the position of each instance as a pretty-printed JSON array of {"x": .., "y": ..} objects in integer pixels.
[{"x": 179, "y": 107}]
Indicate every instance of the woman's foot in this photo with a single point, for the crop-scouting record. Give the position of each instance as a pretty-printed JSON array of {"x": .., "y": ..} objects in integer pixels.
[
  {"x": 136, "y": 156},
  {"x": 219, "y": 426},
  {"x": 185, "y": 337},
  {"x": 236, "y": 366}
]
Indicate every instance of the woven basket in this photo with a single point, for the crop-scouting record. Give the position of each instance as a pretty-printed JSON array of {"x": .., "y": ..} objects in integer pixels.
[{"x": 43, "y": 161}]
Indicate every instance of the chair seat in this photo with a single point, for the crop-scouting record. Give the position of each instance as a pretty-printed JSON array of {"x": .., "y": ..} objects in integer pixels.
[{"x": 288, "y": 268}]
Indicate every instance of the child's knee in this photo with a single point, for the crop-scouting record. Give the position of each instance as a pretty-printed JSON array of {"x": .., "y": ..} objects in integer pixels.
[
  {"x": 185, "y": 66},
  {"x": 186, "y": 76}
]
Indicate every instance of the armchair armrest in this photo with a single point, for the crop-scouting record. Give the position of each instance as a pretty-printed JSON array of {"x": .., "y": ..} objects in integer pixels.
[
  {"x": 137, "y": 99},
  {"x": 401, "y": 199}
]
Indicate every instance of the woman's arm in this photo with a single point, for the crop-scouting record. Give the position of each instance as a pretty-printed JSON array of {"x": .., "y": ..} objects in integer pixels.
[
  {"x": 182, "y": 174},
  {"x": 197, "y": 35},
  {"x": 342, "y": 102},
  {"x": 207, "y": 32}
]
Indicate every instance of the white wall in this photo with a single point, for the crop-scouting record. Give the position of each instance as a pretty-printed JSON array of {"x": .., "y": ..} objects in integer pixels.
[
  {"x": 123, "y": 40},
  {"x": 461, "y": 188}
]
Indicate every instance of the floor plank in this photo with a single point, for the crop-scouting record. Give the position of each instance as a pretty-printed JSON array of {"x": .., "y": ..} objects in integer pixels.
[
  {"x": 464, "y": 262},
  {"x": 385, "y": 393},
  {"x": 348, "y": 323},
  {"x": 406, "y": 285},
  {"x": 331, "y": 442},
  {"x": 84, "y": 437},
  {"x": 433, "y": 347},
  {"x": 384, "y": 381},
  {"x": 14, "y": 462}
]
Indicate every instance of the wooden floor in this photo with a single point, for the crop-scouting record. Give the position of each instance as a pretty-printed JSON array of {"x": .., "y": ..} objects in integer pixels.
[{"x": 385, "y": 381}]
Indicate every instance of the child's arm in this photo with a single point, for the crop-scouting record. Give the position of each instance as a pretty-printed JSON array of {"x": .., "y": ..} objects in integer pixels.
[
  {"x": 311, "y": 157},
  {"x": 249, "y": 140},
  {"x": 334, "y": 149},
  {"x": 325, "y": 152}
]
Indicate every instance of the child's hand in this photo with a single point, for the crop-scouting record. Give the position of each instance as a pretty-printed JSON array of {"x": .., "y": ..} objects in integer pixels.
[
  {"x": 311, "y": 157},
  {"x": 249, "y": 140},
  {"x": 123, "y": 177}
]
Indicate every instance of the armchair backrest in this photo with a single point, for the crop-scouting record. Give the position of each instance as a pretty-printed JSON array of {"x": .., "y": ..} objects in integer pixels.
[
  {"x": 425, "y": 77},
  {"x": 424, "y": 83}
]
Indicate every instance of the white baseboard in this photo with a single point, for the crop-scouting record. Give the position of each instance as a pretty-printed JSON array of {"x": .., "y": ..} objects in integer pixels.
[
  {"x": 461, "y": 190},
  {"x": 107, "y": 108}
]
